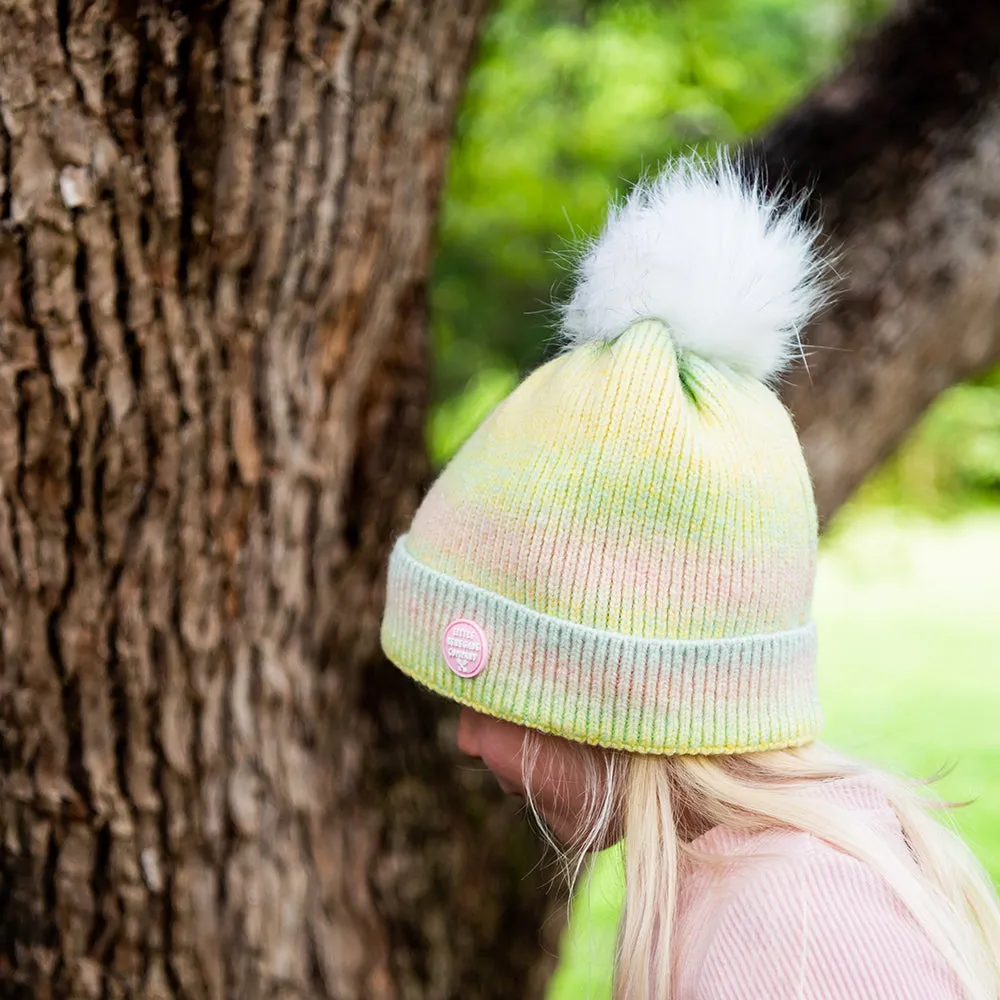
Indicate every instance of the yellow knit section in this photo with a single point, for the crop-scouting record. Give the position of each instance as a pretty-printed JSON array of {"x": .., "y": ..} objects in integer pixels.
[{"x": 633, "y": 490}]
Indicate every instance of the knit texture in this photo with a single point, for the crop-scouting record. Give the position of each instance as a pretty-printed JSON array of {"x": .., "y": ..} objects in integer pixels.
[
  {"x": 633, "y": 530},
  {"x": 782, "y": 915}
]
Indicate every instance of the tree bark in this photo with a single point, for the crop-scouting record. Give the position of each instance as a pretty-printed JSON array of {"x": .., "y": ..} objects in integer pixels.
[
  {"x": 216, "y": 223},
  {"x": 902, "y": 152}
]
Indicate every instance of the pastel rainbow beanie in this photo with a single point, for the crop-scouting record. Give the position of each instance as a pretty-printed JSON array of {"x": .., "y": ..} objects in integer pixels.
[{"x": 623, "y": 552}]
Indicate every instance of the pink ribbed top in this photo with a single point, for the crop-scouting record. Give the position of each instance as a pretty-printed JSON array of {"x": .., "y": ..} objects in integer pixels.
[{"x": 791, "y": 918}]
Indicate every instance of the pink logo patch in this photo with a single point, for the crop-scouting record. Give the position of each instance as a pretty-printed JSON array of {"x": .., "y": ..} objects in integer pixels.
[{"x": 464, "y": 646}]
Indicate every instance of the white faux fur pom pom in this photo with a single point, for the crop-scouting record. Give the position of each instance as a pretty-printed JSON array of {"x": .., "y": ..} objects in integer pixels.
[{"x": 732, "y": 270}]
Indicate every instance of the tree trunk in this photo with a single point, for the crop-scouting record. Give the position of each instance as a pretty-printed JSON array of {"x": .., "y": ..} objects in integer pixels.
[
  {"x": 215, "y": 238},
  {"x": 902, "y": 150}
]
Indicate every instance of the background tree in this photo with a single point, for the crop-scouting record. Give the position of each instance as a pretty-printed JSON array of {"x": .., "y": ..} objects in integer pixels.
[
  {"x": 902, "y": 150},
  {"x": 216, "y": 223}
]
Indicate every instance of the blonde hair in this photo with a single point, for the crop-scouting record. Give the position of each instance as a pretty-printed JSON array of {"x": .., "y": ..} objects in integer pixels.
[{"x": 646, "y": 799}]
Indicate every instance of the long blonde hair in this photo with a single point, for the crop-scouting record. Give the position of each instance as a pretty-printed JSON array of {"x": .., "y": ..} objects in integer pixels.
[{"x": 644, "y": 797}]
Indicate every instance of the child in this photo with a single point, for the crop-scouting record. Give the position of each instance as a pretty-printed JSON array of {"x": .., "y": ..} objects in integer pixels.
[{"x": 614, "y": 576}]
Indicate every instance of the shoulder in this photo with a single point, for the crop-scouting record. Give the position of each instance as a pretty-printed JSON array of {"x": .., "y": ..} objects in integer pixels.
[{"x": 789, "y": 916}]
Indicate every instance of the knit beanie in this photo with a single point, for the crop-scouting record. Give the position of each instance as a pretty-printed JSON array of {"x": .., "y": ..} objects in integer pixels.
[{"x": 623, "y": 552}]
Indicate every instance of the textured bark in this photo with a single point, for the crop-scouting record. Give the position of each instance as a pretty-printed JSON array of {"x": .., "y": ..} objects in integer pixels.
[
  {"x": 216, "y": 222},
  {"x": 903, "y": 152}
]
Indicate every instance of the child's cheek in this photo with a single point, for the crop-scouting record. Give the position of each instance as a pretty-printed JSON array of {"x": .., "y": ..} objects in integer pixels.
[{"x": 507, "y": 771}]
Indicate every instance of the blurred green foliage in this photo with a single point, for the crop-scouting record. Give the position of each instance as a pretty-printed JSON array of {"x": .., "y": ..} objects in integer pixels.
[{"x": 568, "y": 103}]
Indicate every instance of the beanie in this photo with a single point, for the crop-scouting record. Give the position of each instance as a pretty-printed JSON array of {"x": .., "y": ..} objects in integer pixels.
[{"x": 623, "y": 552}]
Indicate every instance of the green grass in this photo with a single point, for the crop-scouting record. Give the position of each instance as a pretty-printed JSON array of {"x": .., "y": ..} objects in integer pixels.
[{"x": 909, "y": 618}]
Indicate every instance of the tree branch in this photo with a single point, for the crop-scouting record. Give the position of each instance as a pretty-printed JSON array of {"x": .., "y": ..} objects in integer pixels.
[{"x": 901, "y": 151}]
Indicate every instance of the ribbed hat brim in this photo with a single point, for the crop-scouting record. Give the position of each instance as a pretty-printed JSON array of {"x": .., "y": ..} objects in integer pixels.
[{"x": 663, "y": 696}]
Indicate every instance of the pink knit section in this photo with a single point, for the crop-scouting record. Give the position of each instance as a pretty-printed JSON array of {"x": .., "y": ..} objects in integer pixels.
[{"x": 791, "y": 918}]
